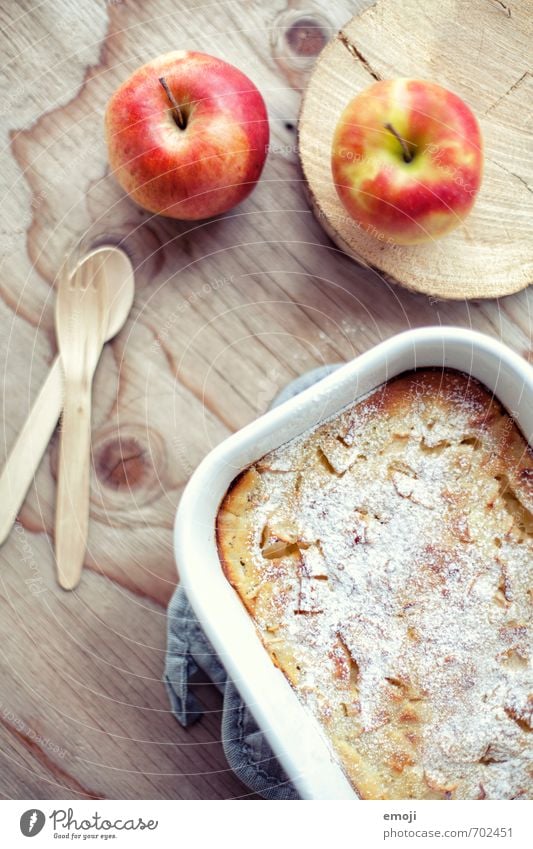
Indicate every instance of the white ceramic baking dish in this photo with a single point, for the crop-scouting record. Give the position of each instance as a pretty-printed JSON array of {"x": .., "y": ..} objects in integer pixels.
[{"x": 294, "y": 735}]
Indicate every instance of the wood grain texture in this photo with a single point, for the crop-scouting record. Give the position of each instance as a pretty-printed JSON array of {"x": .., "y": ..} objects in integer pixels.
[
  {"x": 483, "y": 53},
  {"x": 226, "y": 312}
]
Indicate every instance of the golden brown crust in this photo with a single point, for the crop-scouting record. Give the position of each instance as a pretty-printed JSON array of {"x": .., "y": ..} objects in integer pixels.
[{"x": 385, "y": 558}]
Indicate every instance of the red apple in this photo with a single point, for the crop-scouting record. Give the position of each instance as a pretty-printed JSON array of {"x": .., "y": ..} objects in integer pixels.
[
  {"x": 187, "y": 135},
  {"x": 407, "y": 160}
]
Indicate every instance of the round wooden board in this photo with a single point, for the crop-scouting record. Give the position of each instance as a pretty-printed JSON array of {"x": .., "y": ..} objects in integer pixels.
[{"x": 481, "y": 53}]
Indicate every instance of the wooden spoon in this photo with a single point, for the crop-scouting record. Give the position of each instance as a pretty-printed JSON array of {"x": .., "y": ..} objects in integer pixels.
[{"x": 27, "y": 452}]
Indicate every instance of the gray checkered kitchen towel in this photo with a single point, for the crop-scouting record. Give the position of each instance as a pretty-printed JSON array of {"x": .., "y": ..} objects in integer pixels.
[{"x": 189, "y": 651}]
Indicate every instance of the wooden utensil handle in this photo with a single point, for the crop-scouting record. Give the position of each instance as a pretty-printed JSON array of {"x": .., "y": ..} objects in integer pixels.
[
  {"x": 27, "y": 452},
  {"x": 72, "y": 506}
]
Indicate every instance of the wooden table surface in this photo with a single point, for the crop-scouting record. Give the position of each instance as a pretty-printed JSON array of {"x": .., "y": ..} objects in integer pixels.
[{"x": 226, "y": 312}]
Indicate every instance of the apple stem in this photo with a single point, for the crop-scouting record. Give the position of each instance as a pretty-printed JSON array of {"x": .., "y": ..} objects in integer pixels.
[
  {"x": 407, "y": 154},
  {"x": 176, "y": 110}
]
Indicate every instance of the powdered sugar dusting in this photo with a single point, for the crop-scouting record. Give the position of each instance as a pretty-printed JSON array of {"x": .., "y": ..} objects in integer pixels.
[{"x": 403, "y": 592}]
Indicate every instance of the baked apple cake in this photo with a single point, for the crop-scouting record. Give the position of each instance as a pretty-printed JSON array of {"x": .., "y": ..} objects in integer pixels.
[{"x": 386, "y": 560}]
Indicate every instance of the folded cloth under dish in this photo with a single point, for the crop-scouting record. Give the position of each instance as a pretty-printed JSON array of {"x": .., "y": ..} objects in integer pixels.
[{"x": 188, "y": 651}]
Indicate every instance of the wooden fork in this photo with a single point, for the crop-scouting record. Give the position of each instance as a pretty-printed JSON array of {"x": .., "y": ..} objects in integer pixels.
[{"x": 81, "y": 321}]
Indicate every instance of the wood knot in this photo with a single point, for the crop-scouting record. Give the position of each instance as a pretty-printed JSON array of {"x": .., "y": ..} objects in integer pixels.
[
  {"x": 130, "y": 472},
  {"x": 122, "y": 462},
  {"x": 297, "y": 39},
  {"x": 306, "y": 36}
]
